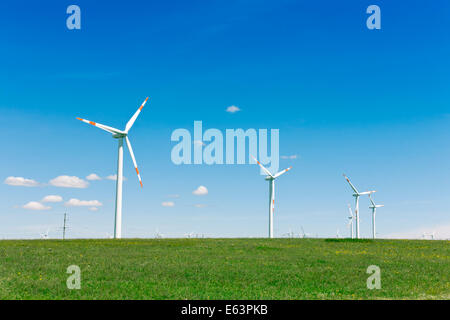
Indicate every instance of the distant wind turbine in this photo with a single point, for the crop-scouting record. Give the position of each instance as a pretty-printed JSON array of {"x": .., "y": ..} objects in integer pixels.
[
  {"x": 304, "y": 235},
  {"x": 431, "y": 235},
  {"x": 45, "y": 234},
  {"x": 289, "y": 234},
  {"x": 271, "y": 178},
  {"x": 158, "y": 235},
  {"x": 351, "y": 217},
  {"x": 189, "y": 235},
  {"x": 374, "y": 207},
  {"x": 120, "y": 135},
  {"x": 357, "y": 195}
]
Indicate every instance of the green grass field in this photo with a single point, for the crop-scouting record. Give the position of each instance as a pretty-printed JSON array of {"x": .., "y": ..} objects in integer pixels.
[{"x": 224, "y": 269}]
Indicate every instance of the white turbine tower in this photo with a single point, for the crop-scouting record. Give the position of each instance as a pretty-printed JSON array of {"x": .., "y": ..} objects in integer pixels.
[
  {"x": 351, "y": 217},
  {"x": 271, "y": 178},
  {"x": 374, "y": 207},
  {"x": 120, "y": 135},
  {"x": 357, "y": 195}
]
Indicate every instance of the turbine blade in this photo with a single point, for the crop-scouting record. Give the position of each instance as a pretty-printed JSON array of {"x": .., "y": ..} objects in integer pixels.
[
  {"x": 350, "y": 210},
  {"x": 367, "y": 192},
  {"x": 101, "y": 126},
  {"x": 282, "y": 172},
  {"x": 134, "y": 117},
  {"x": 134, "y": 160},
  {"x": 351, "y": 185},
  {"x": 262, "y": 167},
  {"x": 371, "y": 200}
]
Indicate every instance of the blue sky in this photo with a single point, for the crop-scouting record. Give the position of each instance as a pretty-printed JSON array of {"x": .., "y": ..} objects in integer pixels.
[{"x": 371, "y": 103}]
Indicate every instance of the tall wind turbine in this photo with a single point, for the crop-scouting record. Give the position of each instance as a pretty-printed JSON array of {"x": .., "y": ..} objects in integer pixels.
[
  {"x": 120, "y": 135},
  {"x": 374, "y": 207},
  {"x": 357, "y": 195},
  {"x": 271, "y": 178}
]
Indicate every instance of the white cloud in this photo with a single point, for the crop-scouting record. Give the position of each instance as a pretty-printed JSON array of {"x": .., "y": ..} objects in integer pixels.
[
  {"x": 69, "y": 182},
  {"x": 114, "y": 177},
  {"x": 34, "y": 205},
  {"x": 233, "y": 109},
  {"x": 93, "y": 177},
  {"x": 200, "y": 205},
  {"x": 20, "y": 181},
  {"x": 83, "y": 203},
  {"x": 200, "y": 191},
  {"x": 168, "y": 204},
  {"x": 93, "y": 208},
  {"x": 292, "y": 157},
  {"x": 52, "y": 198}
]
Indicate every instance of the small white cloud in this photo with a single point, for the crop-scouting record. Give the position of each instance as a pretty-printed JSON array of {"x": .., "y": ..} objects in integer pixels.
[
  {"x": 200, "y": 191},
  {"x": 20, "y": 181},
  {"x": 168, "y": 204},
  {"x": 69, "y": 182},
  {"x": 200, "y": 205},
  {"x": 113, "y": 177},
  {"x": 83, "y": 203},
  {"x": 233, "y": 109},
  {"x": 292, "y": 157},
  {"x": 93, "y": 208},
  {"x": 93, "y": 177},
  {"x": 52, "y": 198},
  {"x": 34, "y": 205}
]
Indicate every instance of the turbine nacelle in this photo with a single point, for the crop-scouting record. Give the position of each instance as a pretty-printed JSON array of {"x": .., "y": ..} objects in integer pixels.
[{"x": 119, "y": 135}]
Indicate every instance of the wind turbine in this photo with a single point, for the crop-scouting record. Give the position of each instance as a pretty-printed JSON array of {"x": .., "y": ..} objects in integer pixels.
[
  {"x": 374, "y": 207},
  {"x": 189, "y": 235},
  {"x": 304, "y": 235},
  {"x": 429, "y": 235},
  {"x": 120, "y": 135},
  {"x": 271, "y": 178},
  {"x": 45, "y": 235},
  {"x": 158, "y": 235},
  {"x": 351, "y": 217},
  {"x": 357, "y": 195},
  {"x": 289, "y": 234}
]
